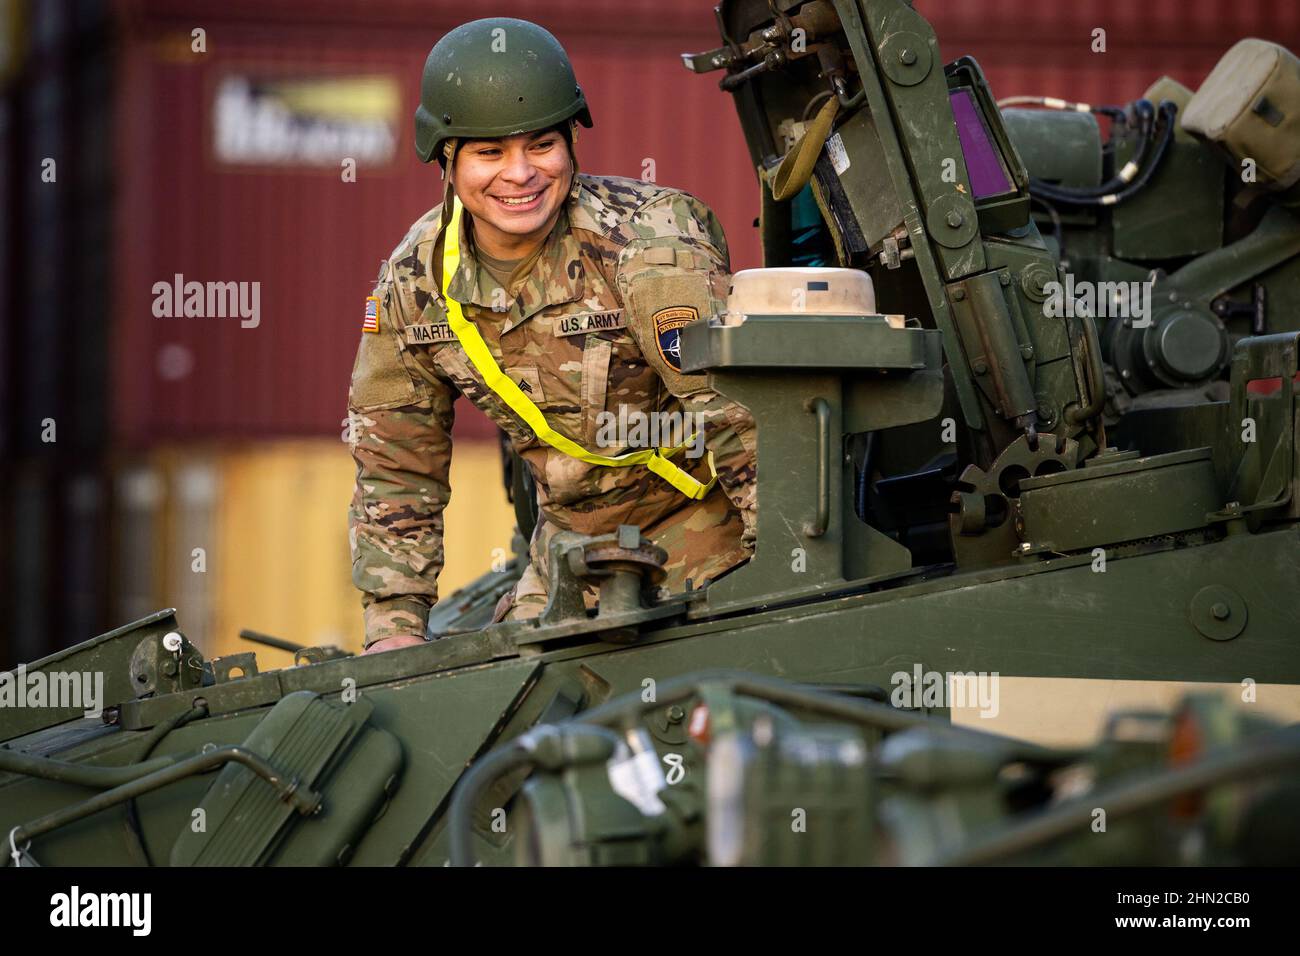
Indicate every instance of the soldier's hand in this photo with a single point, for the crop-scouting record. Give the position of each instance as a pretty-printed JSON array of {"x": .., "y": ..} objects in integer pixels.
[{"x": 393, "y": 643}]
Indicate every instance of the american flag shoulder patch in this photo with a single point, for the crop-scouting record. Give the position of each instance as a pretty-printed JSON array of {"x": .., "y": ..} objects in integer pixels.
[{"x": 371, "y": 322}]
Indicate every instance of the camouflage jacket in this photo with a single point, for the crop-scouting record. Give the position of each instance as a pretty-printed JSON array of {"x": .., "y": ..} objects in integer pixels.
[{"x": 591, "y": 328}]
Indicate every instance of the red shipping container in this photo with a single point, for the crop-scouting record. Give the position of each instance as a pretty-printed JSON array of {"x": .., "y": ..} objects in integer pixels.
[{"x": 313, "y": 241}]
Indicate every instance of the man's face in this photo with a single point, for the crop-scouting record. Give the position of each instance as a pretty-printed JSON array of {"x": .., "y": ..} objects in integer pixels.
[{"x": 513, "y": 187}]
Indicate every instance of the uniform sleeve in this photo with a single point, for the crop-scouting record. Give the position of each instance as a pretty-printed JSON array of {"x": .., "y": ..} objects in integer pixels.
[
  {"x": 674, "y": 272},
  {"x": 400, "y": 436}
]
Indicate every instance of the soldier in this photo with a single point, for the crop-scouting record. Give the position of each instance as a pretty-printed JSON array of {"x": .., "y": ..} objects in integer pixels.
[{"x": 552, "y": 300}]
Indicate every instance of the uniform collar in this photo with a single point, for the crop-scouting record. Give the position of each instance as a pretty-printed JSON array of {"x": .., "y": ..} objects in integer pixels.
[{"x": 557, "y": 276}]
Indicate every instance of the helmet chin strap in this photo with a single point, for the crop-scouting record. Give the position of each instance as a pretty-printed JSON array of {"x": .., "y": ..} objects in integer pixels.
[
  {"x": 573, "y": 157},
  {"x": 449, "y": 147}
]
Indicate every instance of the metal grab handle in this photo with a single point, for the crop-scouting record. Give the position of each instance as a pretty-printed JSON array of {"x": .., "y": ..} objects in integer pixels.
[
  {"x": 1094, "y": 374},
  {"x": 822, "y": 409},
  {"x": 291, "y": 790}
]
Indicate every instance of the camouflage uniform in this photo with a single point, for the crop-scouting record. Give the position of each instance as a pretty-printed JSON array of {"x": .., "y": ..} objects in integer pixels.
[{"x": 589, "y": 329}]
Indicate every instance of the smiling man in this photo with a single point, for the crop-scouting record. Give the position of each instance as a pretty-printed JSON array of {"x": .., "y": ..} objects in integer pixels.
[{"x": 550, "y": 299}]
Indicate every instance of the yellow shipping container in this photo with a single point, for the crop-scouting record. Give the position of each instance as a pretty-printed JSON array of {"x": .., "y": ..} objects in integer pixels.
[{"x": 255, "y": 536}]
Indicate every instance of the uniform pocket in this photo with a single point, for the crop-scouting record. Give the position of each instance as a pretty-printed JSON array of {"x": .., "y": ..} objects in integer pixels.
[
  {"x": 380, "y": 377},
  {"x": 574, "y": 384},
  {"x": 561, "y": 369},
  {"x": 455, "y": 365},
  {"x": 595, "y": 386}
]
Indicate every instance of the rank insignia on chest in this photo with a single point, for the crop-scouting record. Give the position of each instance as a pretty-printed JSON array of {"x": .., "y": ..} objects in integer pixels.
[
  {"x": 668, "y": 324},
  {"x": 590, "y": 322},
  {"x": 529, "y": 382},
  {"x": 371, "y": 322},
  {"x": 431, "y": 334}
]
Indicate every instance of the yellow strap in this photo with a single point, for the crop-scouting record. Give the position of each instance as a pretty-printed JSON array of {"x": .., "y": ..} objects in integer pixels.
[{"x": 656, "y": 459}]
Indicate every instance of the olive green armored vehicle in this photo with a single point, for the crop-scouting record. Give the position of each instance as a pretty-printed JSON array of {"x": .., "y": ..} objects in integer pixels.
[{"x": 1025, "y": 385}]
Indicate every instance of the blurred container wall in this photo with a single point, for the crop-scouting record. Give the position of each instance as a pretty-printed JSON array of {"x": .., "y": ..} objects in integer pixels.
[
  {"x": 254, "y": 535},
  {"x": 312, "y": 241},
  {"x": 278, "y": 559},
  {"x": 55, "y": 289},
  {"x": 81, "y": 572},
  {"x": 57, "y": 577},
  {"x": 1047, "y": 49},
  {"x": 29, "y": 585},
  {"x": 62, "y": 280},
  {"x": 8, "y": 482},
  {"x": 280, "y": 562},
  {"x": 139, "y": 495}
]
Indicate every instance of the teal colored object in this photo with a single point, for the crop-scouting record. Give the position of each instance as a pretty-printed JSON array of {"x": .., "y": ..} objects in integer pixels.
[{"x": 808, "y": 238}]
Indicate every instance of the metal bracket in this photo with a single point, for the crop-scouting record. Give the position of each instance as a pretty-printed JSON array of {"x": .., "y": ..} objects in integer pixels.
[{"x": 245, "y": 662}]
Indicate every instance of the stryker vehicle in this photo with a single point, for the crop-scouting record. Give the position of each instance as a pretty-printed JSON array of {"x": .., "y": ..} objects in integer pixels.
[{"x": 1026, "y": 406}]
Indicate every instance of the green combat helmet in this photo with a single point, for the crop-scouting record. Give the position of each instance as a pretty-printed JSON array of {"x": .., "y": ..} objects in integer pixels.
[{"x": 495, "y": 77}]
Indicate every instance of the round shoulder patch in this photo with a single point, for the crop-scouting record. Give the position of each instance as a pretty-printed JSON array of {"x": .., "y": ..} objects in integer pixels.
[{"x": 668, "y": 325}]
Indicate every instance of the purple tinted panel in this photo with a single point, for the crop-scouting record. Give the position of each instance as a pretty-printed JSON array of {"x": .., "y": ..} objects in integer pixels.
[{"x": 987, "y": 177}]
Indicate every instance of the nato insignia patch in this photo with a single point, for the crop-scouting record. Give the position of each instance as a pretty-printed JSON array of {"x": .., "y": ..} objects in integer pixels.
[
  {"x": 371, "y": 322},
  {"x": 668, "y": 325}
]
